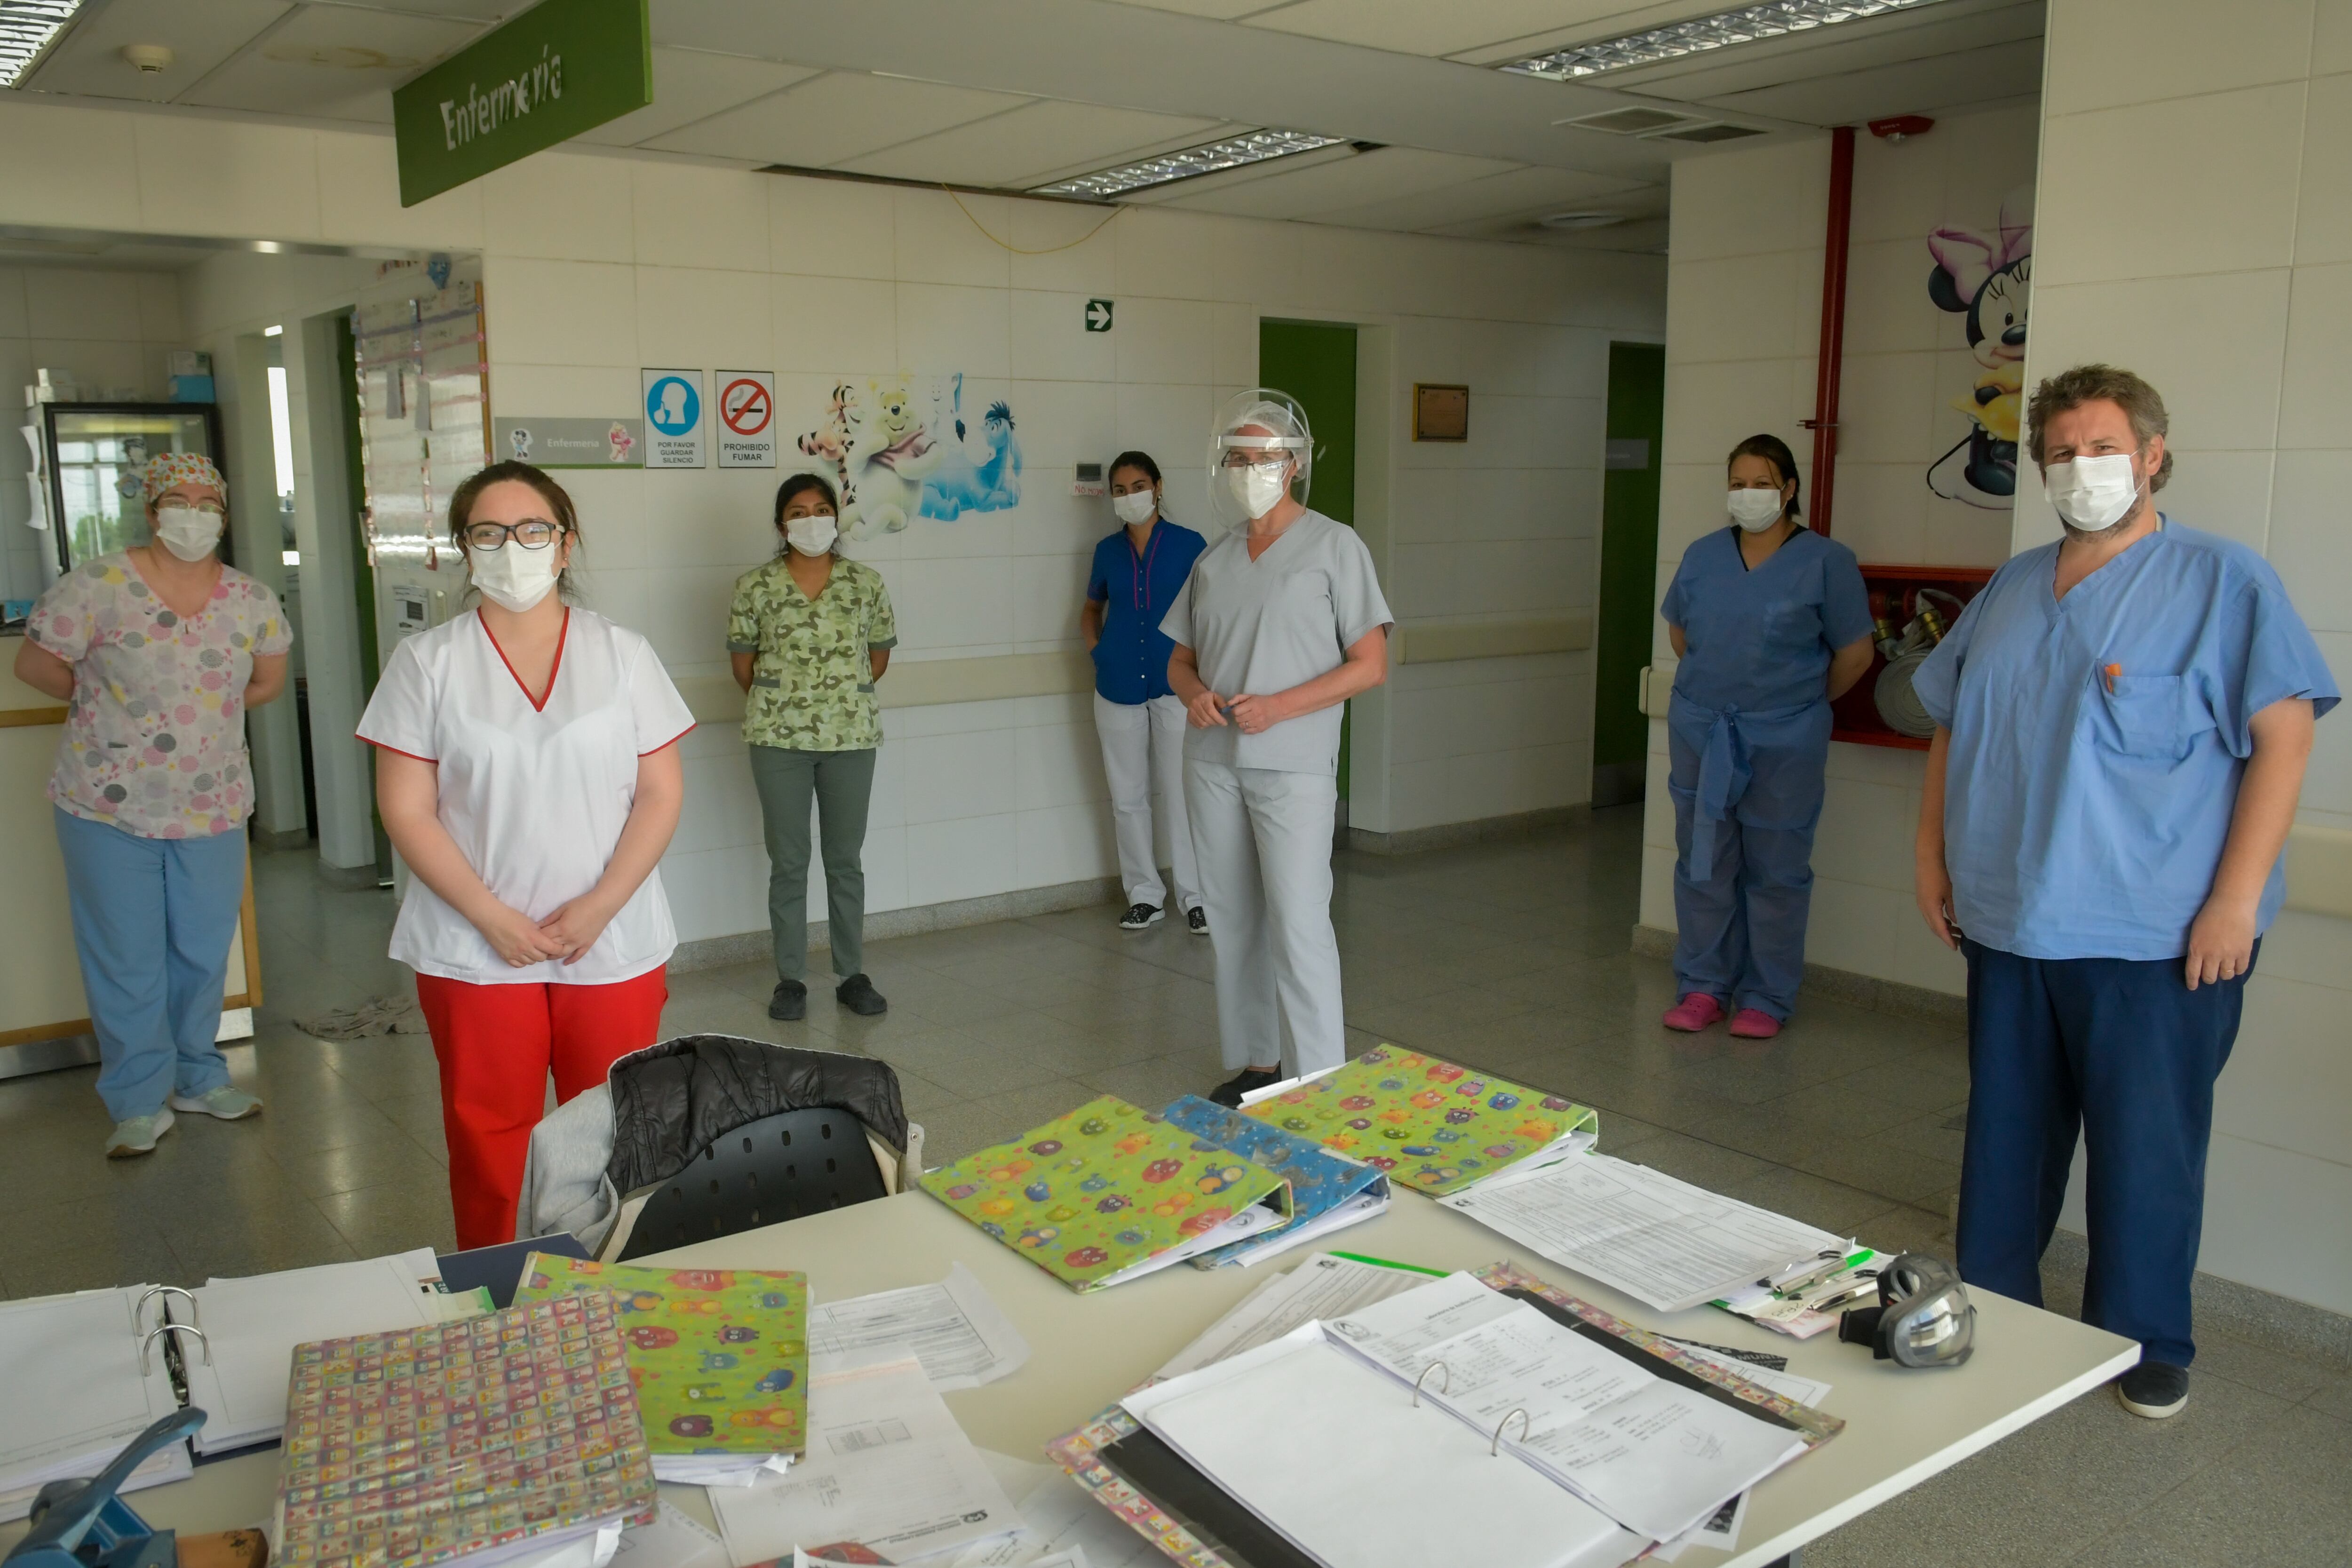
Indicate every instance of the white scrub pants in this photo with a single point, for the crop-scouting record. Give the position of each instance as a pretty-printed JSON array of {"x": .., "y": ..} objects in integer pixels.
[
  {"x": 1143, "y": 748},
  {"x": 1264, "y": 841}
]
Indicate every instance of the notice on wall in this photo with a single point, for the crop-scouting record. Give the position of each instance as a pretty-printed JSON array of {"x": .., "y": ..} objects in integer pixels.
[
  {"x": 747, "y": 419},
  {"x": 675, "y": 419},
  {"x": 569, "y": 443}
]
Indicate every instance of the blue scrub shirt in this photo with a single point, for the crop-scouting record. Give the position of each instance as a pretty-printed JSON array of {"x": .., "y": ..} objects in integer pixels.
[
  {"x": 1762, "y": 639},
  {"x": 1135, "y": 591},
  {"x": 2097, "y": 741}
]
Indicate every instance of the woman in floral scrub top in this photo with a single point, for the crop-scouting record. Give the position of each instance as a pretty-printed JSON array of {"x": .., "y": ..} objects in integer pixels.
[{"x": 161, "y": 648}]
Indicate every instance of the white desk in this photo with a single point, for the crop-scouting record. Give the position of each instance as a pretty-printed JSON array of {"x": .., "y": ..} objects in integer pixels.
[{"x": 1902, "y": 1426}]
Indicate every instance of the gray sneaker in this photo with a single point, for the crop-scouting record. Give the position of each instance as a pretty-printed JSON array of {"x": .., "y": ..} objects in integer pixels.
[
  {"x": 228, "y": 1103},
  {"x": 136, "y": 1135}
]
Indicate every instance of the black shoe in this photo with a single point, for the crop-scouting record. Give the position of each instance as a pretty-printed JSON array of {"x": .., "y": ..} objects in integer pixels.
[
  {"x": 2153, "y": 1389},
  {"x": 1198, "y": 920},
  {"x": 1249, "y": 1080},
  {"x": 1139, "y": 916},
  {"x": 858, "y": 995},
  {"x": 790, "y": 1003}
]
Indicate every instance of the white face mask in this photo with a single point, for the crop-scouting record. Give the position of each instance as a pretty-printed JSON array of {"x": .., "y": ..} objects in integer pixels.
[
  {"x": 1260, "y": 486},
  {"x": 186, "y": 531},
  {"x": 514, "y": 577},
  {"x": 1136, "y": 507},
  {"x": 2093, "y": 494},
  {"x": 1756, "y": 510},
  {"x": 812, "y": 536}
]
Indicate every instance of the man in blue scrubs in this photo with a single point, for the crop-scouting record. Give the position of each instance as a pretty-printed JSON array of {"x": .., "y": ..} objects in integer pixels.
[
  {"x": 2123, "y": 721},
  {"x": 1138, "y": 569}
]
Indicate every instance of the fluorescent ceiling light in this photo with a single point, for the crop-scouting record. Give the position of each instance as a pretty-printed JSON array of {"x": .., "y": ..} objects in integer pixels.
[
  {"x": 1771, "y": 19},
  {"x": 273, "y": 331},
  {"x": 27, "y": 26},
  {"x": 1256, "y": 147}
]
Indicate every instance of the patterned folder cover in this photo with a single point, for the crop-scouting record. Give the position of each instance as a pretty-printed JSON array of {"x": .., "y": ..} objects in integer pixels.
[
  {"x": 719, "y": 1355},
  {"x": 418, "y": 1446},
  {"x": 1102, "y": 1188},
  {"x": 1321, "y": 1180},
  {"x": 1431, "y": 1125}
]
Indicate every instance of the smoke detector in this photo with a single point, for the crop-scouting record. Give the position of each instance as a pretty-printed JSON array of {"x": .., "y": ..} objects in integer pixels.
[
  {"x": 153, "y": 60},
  {"x": 1576, "y": 220}
]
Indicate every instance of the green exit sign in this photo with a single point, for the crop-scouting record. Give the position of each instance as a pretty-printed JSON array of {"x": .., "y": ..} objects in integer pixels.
[
  {"x": 561, "y": 67},
  {"x": 1097, "y": 315}
]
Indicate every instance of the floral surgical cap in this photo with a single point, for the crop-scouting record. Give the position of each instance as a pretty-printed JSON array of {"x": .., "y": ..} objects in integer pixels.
[{"x": 173, "y": 468}]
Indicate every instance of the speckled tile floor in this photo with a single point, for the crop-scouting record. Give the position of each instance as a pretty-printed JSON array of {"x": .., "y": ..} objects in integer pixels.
[{"x": 1510, "y": 955}]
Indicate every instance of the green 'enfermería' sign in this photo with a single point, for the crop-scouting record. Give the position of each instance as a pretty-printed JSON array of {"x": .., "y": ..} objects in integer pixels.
[{"x": 561, "y": 67}]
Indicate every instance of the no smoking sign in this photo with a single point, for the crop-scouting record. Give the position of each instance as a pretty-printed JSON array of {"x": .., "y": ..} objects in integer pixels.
[{"x": 747, "y": 419}]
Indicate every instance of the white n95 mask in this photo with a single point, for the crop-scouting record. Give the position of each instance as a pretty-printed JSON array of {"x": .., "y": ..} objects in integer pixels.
[
  {"x": 812, "y": 536},
  {"x": 1259, "y": 487},
  {"x": 1135, "y": 507},
  {"x": 2093, "y": 494},
  {"x": 512, "y": 576},
  {"x": 1756, "y": 510},
  {"x": 187, "y": 532}
]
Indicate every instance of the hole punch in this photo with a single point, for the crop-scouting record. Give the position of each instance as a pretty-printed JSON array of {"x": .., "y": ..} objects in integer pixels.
[{"x": 1445, "y": 1387}]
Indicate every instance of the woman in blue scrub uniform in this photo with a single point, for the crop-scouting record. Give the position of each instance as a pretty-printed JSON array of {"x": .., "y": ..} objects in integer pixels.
[{"x": 1771, "y": 624}]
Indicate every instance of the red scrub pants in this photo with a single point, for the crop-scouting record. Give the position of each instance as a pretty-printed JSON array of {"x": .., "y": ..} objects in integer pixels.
[{"x": 495, "y": 1045}]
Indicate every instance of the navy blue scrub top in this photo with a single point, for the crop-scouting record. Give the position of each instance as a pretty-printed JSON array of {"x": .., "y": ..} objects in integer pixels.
[
  {"x": 1762, "y": 639},
  {"x": 1131, "y": 659}
]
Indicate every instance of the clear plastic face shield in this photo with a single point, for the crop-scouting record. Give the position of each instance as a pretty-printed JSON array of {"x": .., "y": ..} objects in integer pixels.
[
  {"x": 1924, "y": 1318},
  {"x": 1260, "y": 449}
]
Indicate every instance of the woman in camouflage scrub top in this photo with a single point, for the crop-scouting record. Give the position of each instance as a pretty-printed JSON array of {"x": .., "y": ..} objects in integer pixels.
[{"x": 810, "y": 634}]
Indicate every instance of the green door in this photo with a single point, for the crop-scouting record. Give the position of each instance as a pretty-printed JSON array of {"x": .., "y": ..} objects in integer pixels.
[
  {"x": 1315, "y": 361},
  {"x": 1629, "y": 566}
]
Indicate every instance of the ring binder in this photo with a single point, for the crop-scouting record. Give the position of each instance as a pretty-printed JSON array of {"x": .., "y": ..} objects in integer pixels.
[
  {"x": 139, "y": 1311},
  {"x": 1447, "y": 1388},
  {"x": 1495, "y": 1449},
  {"x": 144, "y": 1357}
]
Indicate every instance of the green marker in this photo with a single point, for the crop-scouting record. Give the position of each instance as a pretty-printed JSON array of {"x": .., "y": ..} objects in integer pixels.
[{"x": 1390, "y": 1263}]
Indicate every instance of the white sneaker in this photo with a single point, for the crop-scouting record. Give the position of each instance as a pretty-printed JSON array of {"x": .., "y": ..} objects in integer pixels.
[
  {"x": 136, "y": 1135},
  {"x": 228, "y": 1103}
]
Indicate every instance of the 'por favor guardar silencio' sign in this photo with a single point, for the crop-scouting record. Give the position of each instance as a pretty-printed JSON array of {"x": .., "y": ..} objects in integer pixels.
[{"x": 561, "y": 67}]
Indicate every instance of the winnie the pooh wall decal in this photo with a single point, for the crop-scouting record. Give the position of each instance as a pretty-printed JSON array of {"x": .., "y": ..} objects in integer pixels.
[
  {"x": 899, "y": 449},
  {"x": 1985, "y": 280}
]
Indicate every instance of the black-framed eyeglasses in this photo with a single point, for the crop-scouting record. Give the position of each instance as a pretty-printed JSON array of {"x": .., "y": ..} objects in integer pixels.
[{"x": 533, "y": 534}]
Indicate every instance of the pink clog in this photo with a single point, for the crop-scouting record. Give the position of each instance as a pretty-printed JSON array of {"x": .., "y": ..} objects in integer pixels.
[
  {"x": 1693, "y": 1013},
  {"x": 1751, "y": 1024}
]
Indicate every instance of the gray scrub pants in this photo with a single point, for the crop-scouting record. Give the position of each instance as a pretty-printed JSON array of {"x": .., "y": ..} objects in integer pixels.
[
  {"x": 842, "y": 785},
  {"x": 1263, "y": 840}
]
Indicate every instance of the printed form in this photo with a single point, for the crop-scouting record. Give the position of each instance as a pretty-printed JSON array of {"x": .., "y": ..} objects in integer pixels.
[{"x": 960, "y": 1335}]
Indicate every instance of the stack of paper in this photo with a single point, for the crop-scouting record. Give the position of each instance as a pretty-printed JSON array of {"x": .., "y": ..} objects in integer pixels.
[
  {"x": 1432, "y": 1125},
  {"x": 251, "y": 1326},
  {"x": 1324, "y": 1285},
  {"x": 513, "y": 1432},
  {"x": 1328, "y": 1191},
  {"x": 1664, "y": 1242},
  {"x": 1107, "y": 1193},
  {"x": 73, "y": 1391},
  {"x": 953, "y": 1327},
  {"x": 890, "y": 1476},
  {"x": 720, "y": 1357}
]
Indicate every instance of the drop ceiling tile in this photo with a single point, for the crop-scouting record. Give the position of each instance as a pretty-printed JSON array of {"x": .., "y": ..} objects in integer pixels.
[
  {"x": 1913, "y": 87},
  {"x": 1833, "y": 51},
  {"x": 1419, "y": 27},
  {"x": 464, "y": 10},
  {"x": 1384, "y": 171},
  {"x": 1517, "y": 191},
  {"x": 333, "y": 62},
  {"x": 1216, "y": 10},
  {"x": 90, "y": 59},
  {"x": 694, "y": 84},
  {"x": 835, "y": 116},
  {"x": 1015, "y": 150}
]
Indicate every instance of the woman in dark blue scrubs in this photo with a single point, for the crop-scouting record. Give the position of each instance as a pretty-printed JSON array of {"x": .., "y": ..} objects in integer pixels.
[{"x": 1771, "y": 623}]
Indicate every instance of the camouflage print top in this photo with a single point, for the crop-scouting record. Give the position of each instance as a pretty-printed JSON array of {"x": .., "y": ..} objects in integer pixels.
[{"x": 811, "y": 682}]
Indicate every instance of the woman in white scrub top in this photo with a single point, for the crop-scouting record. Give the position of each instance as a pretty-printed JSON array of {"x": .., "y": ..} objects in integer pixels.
[
  {"x": 1279, "y": 624},
  {"x": 527, "y": 772}
]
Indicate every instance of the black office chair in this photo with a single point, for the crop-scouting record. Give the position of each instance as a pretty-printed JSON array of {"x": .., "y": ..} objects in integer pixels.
[{"x": 766, "y": 1172}]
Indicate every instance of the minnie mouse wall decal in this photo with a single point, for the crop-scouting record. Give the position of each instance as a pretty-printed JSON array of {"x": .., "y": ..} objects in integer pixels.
[{"x": 1985, "y": 280}]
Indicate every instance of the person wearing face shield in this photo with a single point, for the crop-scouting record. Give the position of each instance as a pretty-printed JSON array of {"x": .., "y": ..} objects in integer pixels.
[
  {"x": 1281, "y": 621},
  {"x": 2123, "y": 720},
  {"x": 159, "y": 650},
  {"x": 1138, "y": 569},
  {"x": 1770, "y": 624},
  {"x": 527, "y": 770},
  {"x": 809, "y": 637}
]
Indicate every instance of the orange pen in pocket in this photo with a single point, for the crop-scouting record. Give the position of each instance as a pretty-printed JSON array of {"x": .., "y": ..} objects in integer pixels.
[{"x": 2110, "y": 672}]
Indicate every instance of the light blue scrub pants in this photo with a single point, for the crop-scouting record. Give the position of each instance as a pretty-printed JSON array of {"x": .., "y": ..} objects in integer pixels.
[
  {"x": 1747, "y": 789},
  {"x": 153, "y": 920}
]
